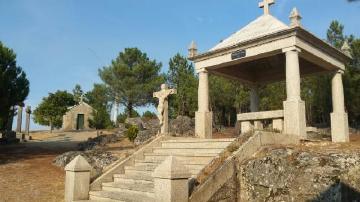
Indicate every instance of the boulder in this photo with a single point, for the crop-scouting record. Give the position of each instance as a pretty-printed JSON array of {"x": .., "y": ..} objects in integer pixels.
[
  {"x": 99, "y": 141},
  {"x": 138, "y": 122},
  {"x": 143, "y": 136},
  {"x": 182, "y": 126}
]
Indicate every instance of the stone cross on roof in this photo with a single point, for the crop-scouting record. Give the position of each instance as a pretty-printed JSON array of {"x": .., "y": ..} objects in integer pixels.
[
  {"x": 266, "y": 5},
  {"x": 82, "y": 98}
]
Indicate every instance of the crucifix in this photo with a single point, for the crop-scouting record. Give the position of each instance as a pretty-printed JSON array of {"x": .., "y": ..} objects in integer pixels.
[
  {"x": 163, "y": 107},
  {"x": 266, "y": 5}
]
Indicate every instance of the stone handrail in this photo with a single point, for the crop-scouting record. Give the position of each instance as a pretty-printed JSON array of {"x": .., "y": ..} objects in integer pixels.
[
  {"x": 119, "y": 166},
  {"x": 205, "y": 191},
  {"x": 252, "y": 116}
]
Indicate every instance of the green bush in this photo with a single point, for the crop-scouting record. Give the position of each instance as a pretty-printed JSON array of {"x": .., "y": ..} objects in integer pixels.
[
  {"x": 149, "y": 115},
  {"x": 132, "y": 132},
  {"x": 121, "y": 118}
]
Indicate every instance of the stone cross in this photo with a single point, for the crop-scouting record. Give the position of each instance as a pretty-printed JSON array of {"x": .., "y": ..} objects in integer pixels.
[
  {"x": 266, "y": 5},
  {"x": 19, "y": 119},
  {"x": 27, "y": 123},
  {"x": 163, "y": 107},
  {"x": 82, "y": 98}
]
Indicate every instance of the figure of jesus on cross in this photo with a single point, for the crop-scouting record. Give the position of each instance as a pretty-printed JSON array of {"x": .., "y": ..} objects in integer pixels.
[
  {"x": 163, "y": 107},
  {"x": 266, "y": 5}
]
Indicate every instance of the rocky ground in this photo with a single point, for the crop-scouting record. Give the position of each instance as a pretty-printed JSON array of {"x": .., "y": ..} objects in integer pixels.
[{"x": 313, "y": 171}]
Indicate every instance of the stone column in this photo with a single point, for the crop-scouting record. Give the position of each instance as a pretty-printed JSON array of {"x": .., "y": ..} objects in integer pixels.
[
  {"x": 254, "y": 106},
  {"x": 171, "y": 181},
  {"x": 77, "y": 179},
  {"x": 294, "y": 107},
  {"x": 203, "y": 117},
  {"x": 27, "y": 123},
  {"x": 19, "y": 119},
  {"x": 339, "y": 118}
]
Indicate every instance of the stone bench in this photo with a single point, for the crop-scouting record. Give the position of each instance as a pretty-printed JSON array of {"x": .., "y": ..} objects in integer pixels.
[{"x": 252, "y": 120}]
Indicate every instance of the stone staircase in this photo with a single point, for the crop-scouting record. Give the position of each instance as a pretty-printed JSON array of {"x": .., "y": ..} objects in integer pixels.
[{"x": 137, "y": 183}]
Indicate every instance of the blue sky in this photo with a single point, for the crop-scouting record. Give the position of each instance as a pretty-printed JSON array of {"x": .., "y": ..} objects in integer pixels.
[{"x": 60, "y": 43}]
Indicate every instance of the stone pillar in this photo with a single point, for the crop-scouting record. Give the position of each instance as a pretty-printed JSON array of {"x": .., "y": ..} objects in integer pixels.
[
  {"x": 254, "y": 106},
  {"x": 278, "y": 124},
  {"x": 19, "y": 119},
  {"x": 27, "y": 123},
  {"x": 294, "y": 107},
  {"x": 77, "y": 180},
  {"x": 246, "y": 127},
  {"x": 203, "y": 117},
  {"x": 339, "y": 118},
  {"x": 171, "y": 180}
]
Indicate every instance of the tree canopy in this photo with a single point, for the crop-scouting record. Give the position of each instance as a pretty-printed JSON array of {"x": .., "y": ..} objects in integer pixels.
[
  {"x": 181, "y": 76},
  {"x": 52, "y": 108},
  {"x": 132, "y": 78},
  {"x": 14, "y": 86},
  {"x": 99, "y": 99},
  {"x": 77, "y": 92}
]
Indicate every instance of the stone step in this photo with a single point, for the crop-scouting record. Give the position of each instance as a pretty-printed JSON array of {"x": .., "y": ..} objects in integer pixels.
[
  {"x": 184, "y": 151},
  {"x": 135, "y": 185},
  {"x": 123, "y": 195},
  {"x": 99, "y": 200},
  {"x": 152, "y": 166},
  {"x": 119, "y": 177},
  {"x": 199, "y": 140},
  {"x": 187, "y": 159},
  {"x": 195, "y": 145},
  {"x": 194, "y": 170}
]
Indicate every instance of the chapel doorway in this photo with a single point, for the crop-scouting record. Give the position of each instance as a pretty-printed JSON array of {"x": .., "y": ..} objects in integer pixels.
[{"x": 80, "y": 122}]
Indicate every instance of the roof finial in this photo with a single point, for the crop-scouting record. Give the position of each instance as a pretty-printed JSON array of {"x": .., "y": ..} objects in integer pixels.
[
  {"x": 346, "y": 48},
  {"x": 295, "y": 18},
  {"x": 266, "y": 5},
  {"x": 192, "y": 49}
]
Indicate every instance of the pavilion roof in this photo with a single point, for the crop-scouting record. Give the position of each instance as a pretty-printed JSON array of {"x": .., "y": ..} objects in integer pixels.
[{"x": 262, "y": 26}]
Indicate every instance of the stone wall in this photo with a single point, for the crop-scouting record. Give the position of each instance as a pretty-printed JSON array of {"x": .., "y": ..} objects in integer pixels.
[{"x": 70, "y": 118}]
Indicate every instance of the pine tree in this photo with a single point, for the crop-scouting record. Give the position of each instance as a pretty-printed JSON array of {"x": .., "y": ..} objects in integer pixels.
[
  {"x": 181, "y": 76},
  {"x": 14, "y": 86},
  {"x": 132, "y": 78}
]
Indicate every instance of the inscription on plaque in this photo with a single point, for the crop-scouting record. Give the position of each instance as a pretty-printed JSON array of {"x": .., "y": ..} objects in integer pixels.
[{"x": 238, "y": 54}]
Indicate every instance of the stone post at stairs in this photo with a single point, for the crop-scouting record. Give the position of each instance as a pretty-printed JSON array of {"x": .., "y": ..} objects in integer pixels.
[
  {"x": 19, "y": 119},
  {"x": 294, "y": 107},
  {"x": 339, "y": 118},
  {"x": 171, "y": 179},
  {"x": 77, "y": 179},
  {"x": 203, "y": 117},
  {"x": 27, "y": 122}
]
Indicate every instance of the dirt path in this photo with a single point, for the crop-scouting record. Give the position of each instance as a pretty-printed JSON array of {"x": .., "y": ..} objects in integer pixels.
[{"x": 26, "y": 170}]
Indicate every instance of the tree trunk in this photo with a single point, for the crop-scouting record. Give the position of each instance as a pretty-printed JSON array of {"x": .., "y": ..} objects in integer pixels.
[
  {"x": 51, "y": 127},
  {"x": 129, "y": 108}
]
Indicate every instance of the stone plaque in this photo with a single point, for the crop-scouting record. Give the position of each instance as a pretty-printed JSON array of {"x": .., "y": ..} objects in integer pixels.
[{"x": 238, "y": 54}]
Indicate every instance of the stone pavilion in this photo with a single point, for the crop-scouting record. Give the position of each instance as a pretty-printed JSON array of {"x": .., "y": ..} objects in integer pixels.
[{"x": 265, "y": 51}]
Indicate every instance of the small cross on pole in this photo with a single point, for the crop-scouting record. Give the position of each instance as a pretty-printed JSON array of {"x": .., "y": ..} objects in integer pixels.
[{"x": 266, "y": 5}]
